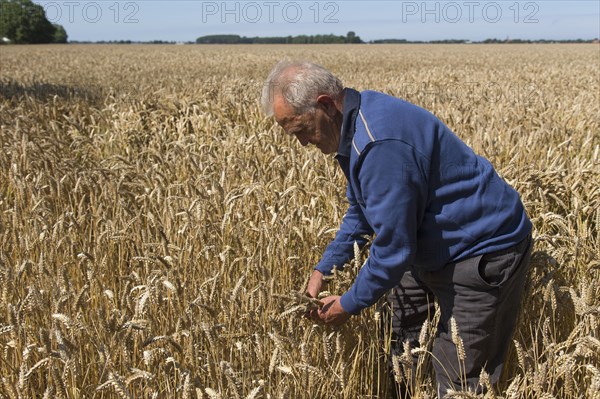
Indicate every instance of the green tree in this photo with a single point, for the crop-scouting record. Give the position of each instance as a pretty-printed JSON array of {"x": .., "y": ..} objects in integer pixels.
[
  {"x": 352, "y": 38},
  {"x": 22, "y": 21},
  {"x": 60, "y": 35}
]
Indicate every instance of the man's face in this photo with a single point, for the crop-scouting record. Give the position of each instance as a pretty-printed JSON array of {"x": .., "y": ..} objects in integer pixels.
[{"x": 317, "y": 128}]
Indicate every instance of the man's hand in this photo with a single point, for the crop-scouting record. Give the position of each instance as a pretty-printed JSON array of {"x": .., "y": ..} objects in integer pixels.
[
  {"x": 314, "y": 284},
  {"x": 332, "y": 313}
]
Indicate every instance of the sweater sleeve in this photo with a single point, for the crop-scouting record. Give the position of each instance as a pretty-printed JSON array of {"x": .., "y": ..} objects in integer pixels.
[
  {"x": 394, "y": 189},
  {"x": 353, "y": 228}
]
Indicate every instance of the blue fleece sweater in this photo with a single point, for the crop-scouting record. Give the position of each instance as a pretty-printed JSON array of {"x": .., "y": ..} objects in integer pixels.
[{"x": 427, "y": 197}]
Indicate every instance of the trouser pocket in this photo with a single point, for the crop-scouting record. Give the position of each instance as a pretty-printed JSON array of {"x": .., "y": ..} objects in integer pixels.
[{"x": 496, "y": 269}]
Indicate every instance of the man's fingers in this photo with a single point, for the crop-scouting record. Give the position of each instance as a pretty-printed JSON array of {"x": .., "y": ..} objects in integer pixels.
[{"x": 314, "y": 315}]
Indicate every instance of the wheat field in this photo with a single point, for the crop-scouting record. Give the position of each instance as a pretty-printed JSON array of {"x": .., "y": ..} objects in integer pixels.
[{"x": 155, "y": 227}]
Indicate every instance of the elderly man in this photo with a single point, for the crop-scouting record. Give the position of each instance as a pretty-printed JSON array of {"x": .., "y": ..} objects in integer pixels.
[{"x": 446, "y": 226}]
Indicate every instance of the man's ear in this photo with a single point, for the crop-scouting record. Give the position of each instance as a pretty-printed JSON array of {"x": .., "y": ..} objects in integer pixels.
[{"x": 327, "y": 103}]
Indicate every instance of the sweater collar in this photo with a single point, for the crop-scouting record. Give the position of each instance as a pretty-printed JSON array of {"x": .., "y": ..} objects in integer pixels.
[{"x": 350, "y": 112}]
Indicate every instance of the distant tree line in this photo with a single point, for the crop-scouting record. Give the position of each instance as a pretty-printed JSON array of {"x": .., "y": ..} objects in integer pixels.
[
  {"x": 351, "y": 37},
  {"x": 127, "y": 42},
  {"x": 446, "y": 41},
  {"x": 539, "y": 41},
  {"x": 23, "y": 22}
]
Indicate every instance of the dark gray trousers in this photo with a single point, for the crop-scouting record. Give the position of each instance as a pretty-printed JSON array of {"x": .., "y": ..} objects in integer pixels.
[{"x": 483, "y": 294}]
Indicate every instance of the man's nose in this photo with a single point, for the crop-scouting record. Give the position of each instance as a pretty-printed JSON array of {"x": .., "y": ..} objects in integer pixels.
[{"x": 303, "y": 140}]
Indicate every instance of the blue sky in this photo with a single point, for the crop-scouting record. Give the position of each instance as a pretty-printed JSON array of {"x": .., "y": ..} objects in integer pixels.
[{"x": 413, "y": 20}]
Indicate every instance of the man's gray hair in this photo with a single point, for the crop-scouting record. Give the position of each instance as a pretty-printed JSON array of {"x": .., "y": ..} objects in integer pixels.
[{"x": 299, "y": 83}]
